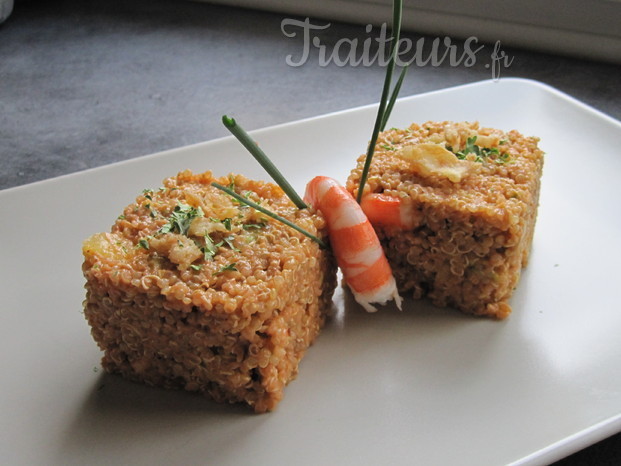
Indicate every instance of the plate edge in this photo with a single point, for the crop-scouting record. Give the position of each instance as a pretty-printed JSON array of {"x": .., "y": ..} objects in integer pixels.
[
  {"x": 572, "y": 443},
  {"x": 140, "y": 158}
]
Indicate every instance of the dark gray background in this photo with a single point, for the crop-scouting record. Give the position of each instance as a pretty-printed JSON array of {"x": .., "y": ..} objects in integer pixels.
[
  {"x": 88, "y": 83},
  {"x": 83, "y": 84}
]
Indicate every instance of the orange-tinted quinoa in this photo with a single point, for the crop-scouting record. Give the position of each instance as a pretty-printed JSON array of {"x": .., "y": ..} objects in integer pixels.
[
  {"x": 471, "y": 237},
  {"x": 193, "y": 290}
]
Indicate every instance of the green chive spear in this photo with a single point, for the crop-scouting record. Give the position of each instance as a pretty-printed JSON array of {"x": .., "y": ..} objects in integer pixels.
[
  {"x": 384, "y": 110},
  {"x": 263, "y": 159},
  {"x": 268, "y": 165},
  {"x": 269, "y": 213}
]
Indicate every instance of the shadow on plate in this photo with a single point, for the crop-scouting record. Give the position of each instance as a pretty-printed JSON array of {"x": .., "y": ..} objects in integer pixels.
[
  {"x": 118, "y": 418},
  {"x": 347, "y": 312}
]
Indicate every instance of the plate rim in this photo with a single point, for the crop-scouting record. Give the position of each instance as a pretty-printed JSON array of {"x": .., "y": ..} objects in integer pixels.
[
  {"x": 555, "y": 451},
  {"x": 551, "y": 90}
]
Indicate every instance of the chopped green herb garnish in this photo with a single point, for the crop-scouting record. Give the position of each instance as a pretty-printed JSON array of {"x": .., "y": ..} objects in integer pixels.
[
  {"x": 227, "y": 268},
  {"x": 147, "y": 193},
  {"x": 144, "y": 243},
  {"x": 471, "y": 148},
  {"x": 229, "y": 241},
  {"x": 228, "y": 222},
  {"x": 180, "y": 219},
  {"x": 247, "y": 195},
  {"x": 196, "y": 266},
  {"x": 210, "y": 249},
  {"x": 269, "y": 213},
  {"x": 503, "y": 158},
  {"x": 387, "y": 147},
  {"x": 480, "y": 152},
  {"x": 121, "y": 217},
  {"x": 250, "y": 226}
]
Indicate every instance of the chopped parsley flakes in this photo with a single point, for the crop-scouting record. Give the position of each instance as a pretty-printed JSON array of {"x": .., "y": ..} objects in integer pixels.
[
  {"x": 181, "y": 219},
  {"x": 227, "y": 268},
  {"x": 481, "y": 153},
  {"x": 250, "y": 226},
  {"x": 229, "y": 241},
  {"x": 210, "y": 249}
]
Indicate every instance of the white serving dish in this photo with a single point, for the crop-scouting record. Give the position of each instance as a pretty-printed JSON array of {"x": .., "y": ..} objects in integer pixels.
[{"x": 422, "y": 386}]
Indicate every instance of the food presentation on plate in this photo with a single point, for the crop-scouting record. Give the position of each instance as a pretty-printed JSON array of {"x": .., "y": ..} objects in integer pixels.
[
  {"x": 196, "y": 288},
  {"x": 448, "y": 299},
  {"x": 220, "y": 285}
]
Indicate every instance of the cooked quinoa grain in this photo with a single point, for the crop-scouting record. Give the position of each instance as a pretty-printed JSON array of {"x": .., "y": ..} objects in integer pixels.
[
  {"x": 473, "y": 194},
  {"x": 191, "y": 289}
]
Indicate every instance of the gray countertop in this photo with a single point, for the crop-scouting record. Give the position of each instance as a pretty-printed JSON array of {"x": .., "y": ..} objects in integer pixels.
[{"x": 84, "y": 84}]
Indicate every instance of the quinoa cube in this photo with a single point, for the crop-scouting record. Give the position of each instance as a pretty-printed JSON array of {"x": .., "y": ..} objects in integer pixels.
[
  {"x": 469, "y": 198},
  {"x": 193, "y": 290}
]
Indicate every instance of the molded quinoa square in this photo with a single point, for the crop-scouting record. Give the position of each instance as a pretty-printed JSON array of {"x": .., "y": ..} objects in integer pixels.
[
  {"x": 468, "y": 200},
  {"x": 191, "y": 289}
]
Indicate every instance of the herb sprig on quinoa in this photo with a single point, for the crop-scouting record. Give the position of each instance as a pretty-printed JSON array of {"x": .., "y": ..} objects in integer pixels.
[
  {"x": 269, "y": 213},
  {"x": 480, "y": 153},
  {"x": 181, "y": 219},
  {"x": 271, "y": 169}
]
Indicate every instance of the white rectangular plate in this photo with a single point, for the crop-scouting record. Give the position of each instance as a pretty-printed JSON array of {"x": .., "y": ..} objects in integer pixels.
[{"x": 422, "y": 386}]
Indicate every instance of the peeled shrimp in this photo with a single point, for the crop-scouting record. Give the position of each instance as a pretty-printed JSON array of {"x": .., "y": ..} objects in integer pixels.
[
  {"x": 356, "y": 247},
  {"x": 384, "y": 210}
]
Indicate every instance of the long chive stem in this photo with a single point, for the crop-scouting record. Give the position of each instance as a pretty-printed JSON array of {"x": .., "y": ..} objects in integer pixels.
[
  {"x": 263, "y": 159},
  {"x": 393, "y": 97},
  {"x": 269, "y": 213},
  {"x": 396, "y": 22}
]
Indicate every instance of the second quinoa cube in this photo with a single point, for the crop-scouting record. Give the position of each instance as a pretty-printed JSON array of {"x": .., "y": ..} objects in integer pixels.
[{"x": 455, "y": 207}]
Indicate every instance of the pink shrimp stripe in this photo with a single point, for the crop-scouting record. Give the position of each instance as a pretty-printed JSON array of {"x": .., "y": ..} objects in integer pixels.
[
  {"x": 382, "y": 209},
  {"x": 354, "y": 242}
]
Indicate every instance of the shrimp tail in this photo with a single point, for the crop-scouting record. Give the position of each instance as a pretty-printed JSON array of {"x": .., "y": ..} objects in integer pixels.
[{"x": 380, "y": 296}]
